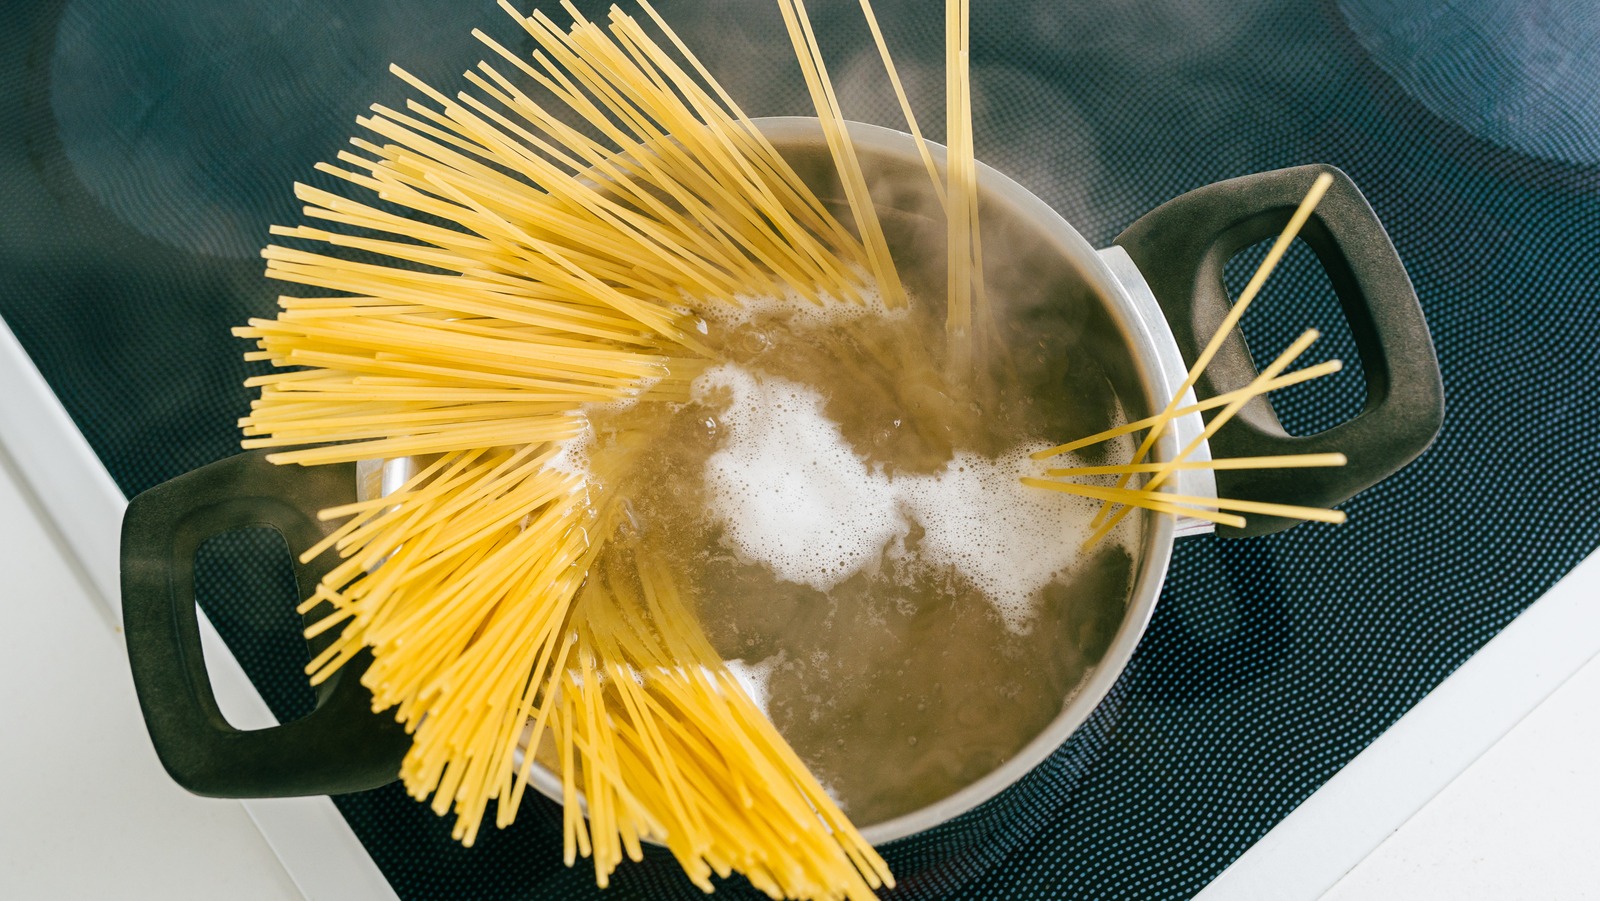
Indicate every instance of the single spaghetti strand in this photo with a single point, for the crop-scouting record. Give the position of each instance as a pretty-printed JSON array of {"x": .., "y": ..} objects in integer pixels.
[
  {"x": 1211, "y": 403},
  {"x": 1138, "y": 496},
  {"x": 958, "y": 222},
  {"x": 905, "y": 103},
  {"x": 1281, "y": 461},
  {"x": 1149, "y": 500}
]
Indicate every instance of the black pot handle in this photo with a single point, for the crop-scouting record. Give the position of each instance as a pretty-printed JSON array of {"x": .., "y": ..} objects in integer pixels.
[
  {"x": 1181, "y": 248},
  {"x": 341, "y": 746}
]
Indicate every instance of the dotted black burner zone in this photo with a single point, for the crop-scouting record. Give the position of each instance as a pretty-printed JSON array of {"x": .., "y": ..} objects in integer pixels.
[{"x": 129, "y": 195}]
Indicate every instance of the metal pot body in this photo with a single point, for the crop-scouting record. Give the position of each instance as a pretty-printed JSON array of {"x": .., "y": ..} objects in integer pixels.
[
  {"x": 1132, "y": 328},
  {"x": 1144, "y": 336}
]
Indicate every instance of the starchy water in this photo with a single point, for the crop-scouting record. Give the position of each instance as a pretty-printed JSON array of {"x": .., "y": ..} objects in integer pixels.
[{"x": 848, "y": 519}]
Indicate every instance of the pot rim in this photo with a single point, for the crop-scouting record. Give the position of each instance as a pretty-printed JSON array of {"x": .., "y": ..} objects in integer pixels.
[{"x": 1136, "y": 315}]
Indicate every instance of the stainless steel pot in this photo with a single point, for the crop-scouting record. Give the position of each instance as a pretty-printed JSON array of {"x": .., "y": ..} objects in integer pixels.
[{"x": 1146, "y": 305}]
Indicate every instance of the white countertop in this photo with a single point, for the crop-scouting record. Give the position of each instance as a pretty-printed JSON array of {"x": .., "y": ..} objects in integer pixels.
[
  {"x": 1489, "y": 789},
  {"x": 90, "y": 813},
  {"x": 1523, "y": 821}
]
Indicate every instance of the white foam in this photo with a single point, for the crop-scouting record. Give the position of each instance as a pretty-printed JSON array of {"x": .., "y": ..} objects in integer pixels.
[
  {"x": 787, "y": 487},
  {"x": 792, "y": 494},
  {"x": 800, "y": 313},
  {"x": 573, "y": 456},
  {"x": 1008, "y": 539}
]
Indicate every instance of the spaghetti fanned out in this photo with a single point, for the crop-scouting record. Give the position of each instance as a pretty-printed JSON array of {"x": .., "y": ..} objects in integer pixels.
[
  {"x": 660, "y": 728},
  {"x": 497, "y": 263}
]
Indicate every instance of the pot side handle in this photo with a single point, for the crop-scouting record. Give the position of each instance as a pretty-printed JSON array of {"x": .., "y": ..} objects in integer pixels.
[
  {"x": 341, "y": 746},
  {"x": 1181, "y": 248}
]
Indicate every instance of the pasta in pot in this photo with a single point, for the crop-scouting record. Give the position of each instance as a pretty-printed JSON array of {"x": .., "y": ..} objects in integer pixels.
[{"x": 536, "y": 295}]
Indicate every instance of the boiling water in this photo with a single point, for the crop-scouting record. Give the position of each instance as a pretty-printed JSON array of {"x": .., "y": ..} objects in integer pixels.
[{"x": 852, "y": 529}]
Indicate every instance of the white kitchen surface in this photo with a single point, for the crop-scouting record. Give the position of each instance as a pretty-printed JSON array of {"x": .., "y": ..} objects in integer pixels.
[
  {"x": 1371, "y": 809},
  {"x": 1522, "y": 822},
  {"x": 89, "y": 813}
]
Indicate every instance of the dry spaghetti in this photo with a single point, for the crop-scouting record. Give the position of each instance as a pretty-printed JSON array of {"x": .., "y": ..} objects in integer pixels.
[{"x": 498, "y": 262}]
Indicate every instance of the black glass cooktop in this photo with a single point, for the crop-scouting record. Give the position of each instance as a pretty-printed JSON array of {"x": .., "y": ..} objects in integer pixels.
[{"x": 145, "y": 146}]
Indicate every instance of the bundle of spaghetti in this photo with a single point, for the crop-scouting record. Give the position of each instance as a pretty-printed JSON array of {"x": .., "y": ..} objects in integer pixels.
[
  {"x": 1149, "y": 497},
  {"x": 503, "y": 263},
  {"x": 661, "y": 741},
  {"x": 826, "y": 102},
  {"x": 965, "y": 327},
  {"x": 1327, "y": 367},
  {"x": 461, "y": 584},
  {"x": 1119, "y": 500},
  {"x": 967, "y": 313},
  {"x": 508, "y": 267}
]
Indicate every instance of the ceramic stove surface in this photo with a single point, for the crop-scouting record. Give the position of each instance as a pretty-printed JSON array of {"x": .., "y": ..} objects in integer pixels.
[{"x": 145, "y": 147}]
